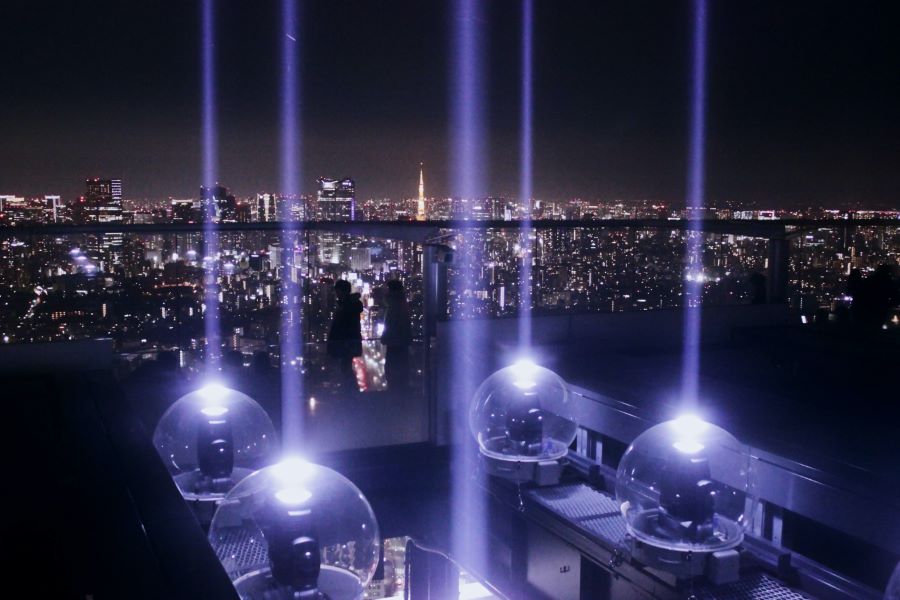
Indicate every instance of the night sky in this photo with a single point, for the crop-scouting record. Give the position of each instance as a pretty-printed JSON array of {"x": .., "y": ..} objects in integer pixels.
[{"x": 804, "y": 98}]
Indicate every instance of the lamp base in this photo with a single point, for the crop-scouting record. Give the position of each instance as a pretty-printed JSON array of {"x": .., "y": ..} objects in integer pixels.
[
  {"x": 334, "y": 584},
  {"x": 541, "y": 472}
]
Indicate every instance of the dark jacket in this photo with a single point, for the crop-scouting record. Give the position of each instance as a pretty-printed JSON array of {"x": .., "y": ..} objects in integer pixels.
[
  {"x": 397, "y": 329},
  {"x": 345, "y": 336}
]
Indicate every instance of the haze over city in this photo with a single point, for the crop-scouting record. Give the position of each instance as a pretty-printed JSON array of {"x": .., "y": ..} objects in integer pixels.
[{"x": 801, "y": 97}]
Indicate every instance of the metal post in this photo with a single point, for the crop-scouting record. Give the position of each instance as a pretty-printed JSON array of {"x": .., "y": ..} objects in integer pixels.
[
  {"x": 778, "y": 270},
  {"x": 434, "y": 284},
  {"x": 434, "y": 289},
  {"x": 429, "y": 289}
]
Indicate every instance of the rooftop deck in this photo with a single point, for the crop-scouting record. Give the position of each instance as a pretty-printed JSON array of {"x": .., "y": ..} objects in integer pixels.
[{"x": 816, "y": 401}]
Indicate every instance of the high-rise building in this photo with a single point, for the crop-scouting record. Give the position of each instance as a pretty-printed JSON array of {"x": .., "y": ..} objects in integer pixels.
[
  {"x": 217, "y": 202},
  {"x": 6, "y": 199},
  {"x": 265, "y": 208},
  {"x": 18, "y": 210},
  {"x": 420, "y": 209},
  {"x": 102, "y": 201},
  {"x": 361, "y": 258},
  {"x": 485, "y": 209},
  {"x": 298, "y": 208},
  {"x": 337, "y": 199},
  {"x": 185, "y": 210},
  {"x": 53, "y": 208}
]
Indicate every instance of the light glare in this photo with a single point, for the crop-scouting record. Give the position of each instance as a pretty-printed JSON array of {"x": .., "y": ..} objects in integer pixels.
[
  {"x": 690, "y": 425},
  {"x": 688, "y": 446},
  {"x": 213, "y": 392},
  {"x": 293, "y": 496}
]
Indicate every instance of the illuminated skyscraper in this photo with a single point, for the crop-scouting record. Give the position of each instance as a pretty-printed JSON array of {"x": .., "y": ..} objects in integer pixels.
[
  {"x": 223, "y": 205},
  {"x": 420, "y": 213},
  {"x": 102, "y": 203},
  {"x": 337, "y": 199},
  {"x": 265, "y": 208},
  {"x": 53, "y": 208}
]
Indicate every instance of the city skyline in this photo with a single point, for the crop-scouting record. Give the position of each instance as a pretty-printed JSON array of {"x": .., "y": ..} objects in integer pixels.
[{"x": 610, "y": 110}]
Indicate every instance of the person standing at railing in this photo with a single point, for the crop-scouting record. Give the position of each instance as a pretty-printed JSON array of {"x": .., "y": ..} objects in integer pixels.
[
  {"x": 345, "y": 336},
  {"x": 396, "y": 337}
]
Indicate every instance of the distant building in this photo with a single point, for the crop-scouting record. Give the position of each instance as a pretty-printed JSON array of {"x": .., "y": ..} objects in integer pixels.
[
  {"x": 219, "y": 204},
  {"x": 361, "y": 258},
  {"x": 18, "y": 210},
  {"x": 420, "y": 206},
  {"x": 14, "y": 210},
  {"x": 5, "y": 201},
  {"x": 185, "y": 210},
  {"x": 142, "y": 217},
  {"x": 486, "y": 209},
  {"x": 102, "y": 201},
  {"x": 337, "y": 199},
  {"x": 53, "y": 208},
  {"x": 265, "y": 208}
]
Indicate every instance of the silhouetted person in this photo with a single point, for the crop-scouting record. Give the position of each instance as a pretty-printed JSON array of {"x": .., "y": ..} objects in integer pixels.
[
  {"x": 758, "y": 288},
  {"x": 345, "y": 336},
  {"x": 854, "y": 283},
  {"x": 875, "y": 297},
  {"x": 396, "y": 337}
]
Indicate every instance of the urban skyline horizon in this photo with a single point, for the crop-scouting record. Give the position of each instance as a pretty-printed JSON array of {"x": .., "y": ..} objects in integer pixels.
[{"x": 674, "y": 202}]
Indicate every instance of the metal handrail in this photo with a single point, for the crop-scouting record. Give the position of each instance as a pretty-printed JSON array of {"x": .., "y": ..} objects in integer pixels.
[
  {"x": 780, "y": 481},
  {"x": 752, "y": 228}
]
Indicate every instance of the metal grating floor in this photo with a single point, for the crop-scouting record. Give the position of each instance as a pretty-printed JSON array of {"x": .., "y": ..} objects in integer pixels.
[
  {"x": 575, "y": 501},
  {"x": 611, "y": 527},
  {"x": 591, "y": 510},
  {"x": 757, "y": 586},
  {"x": 598, "y": 514},
  {"x": 240, "y": 552}
]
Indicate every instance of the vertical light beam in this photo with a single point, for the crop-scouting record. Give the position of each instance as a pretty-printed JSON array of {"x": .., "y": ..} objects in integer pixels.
[
  {"x": 292, "y": 405},
  {"x": 210, "y": 167},
  {"x": 525, "y": 176},
  {"x": 693, "y": 283},
  {"x": 468, "y": 162},
  {"x": 467, "y": 172}
]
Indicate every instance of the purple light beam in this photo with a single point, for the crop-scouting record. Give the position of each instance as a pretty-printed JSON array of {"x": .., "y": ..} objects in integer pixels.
[
  {"x": 467, "y": 176},
  {"x": 210, "y": 167},
  {"x": 525, "y": 175},
  {"x": 693, "y": 286},
  {"x": 292, "y": 401}
]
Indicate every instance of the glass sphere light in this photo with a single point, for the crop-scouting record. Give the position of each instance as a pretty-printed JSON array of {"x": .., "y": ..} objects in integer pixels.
[
  {"x": 523, "y": 413},
  {"x": 296, "y": 530},
  {"x": 212, "y": 438},
  {"x": 686, "y": 485}
]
